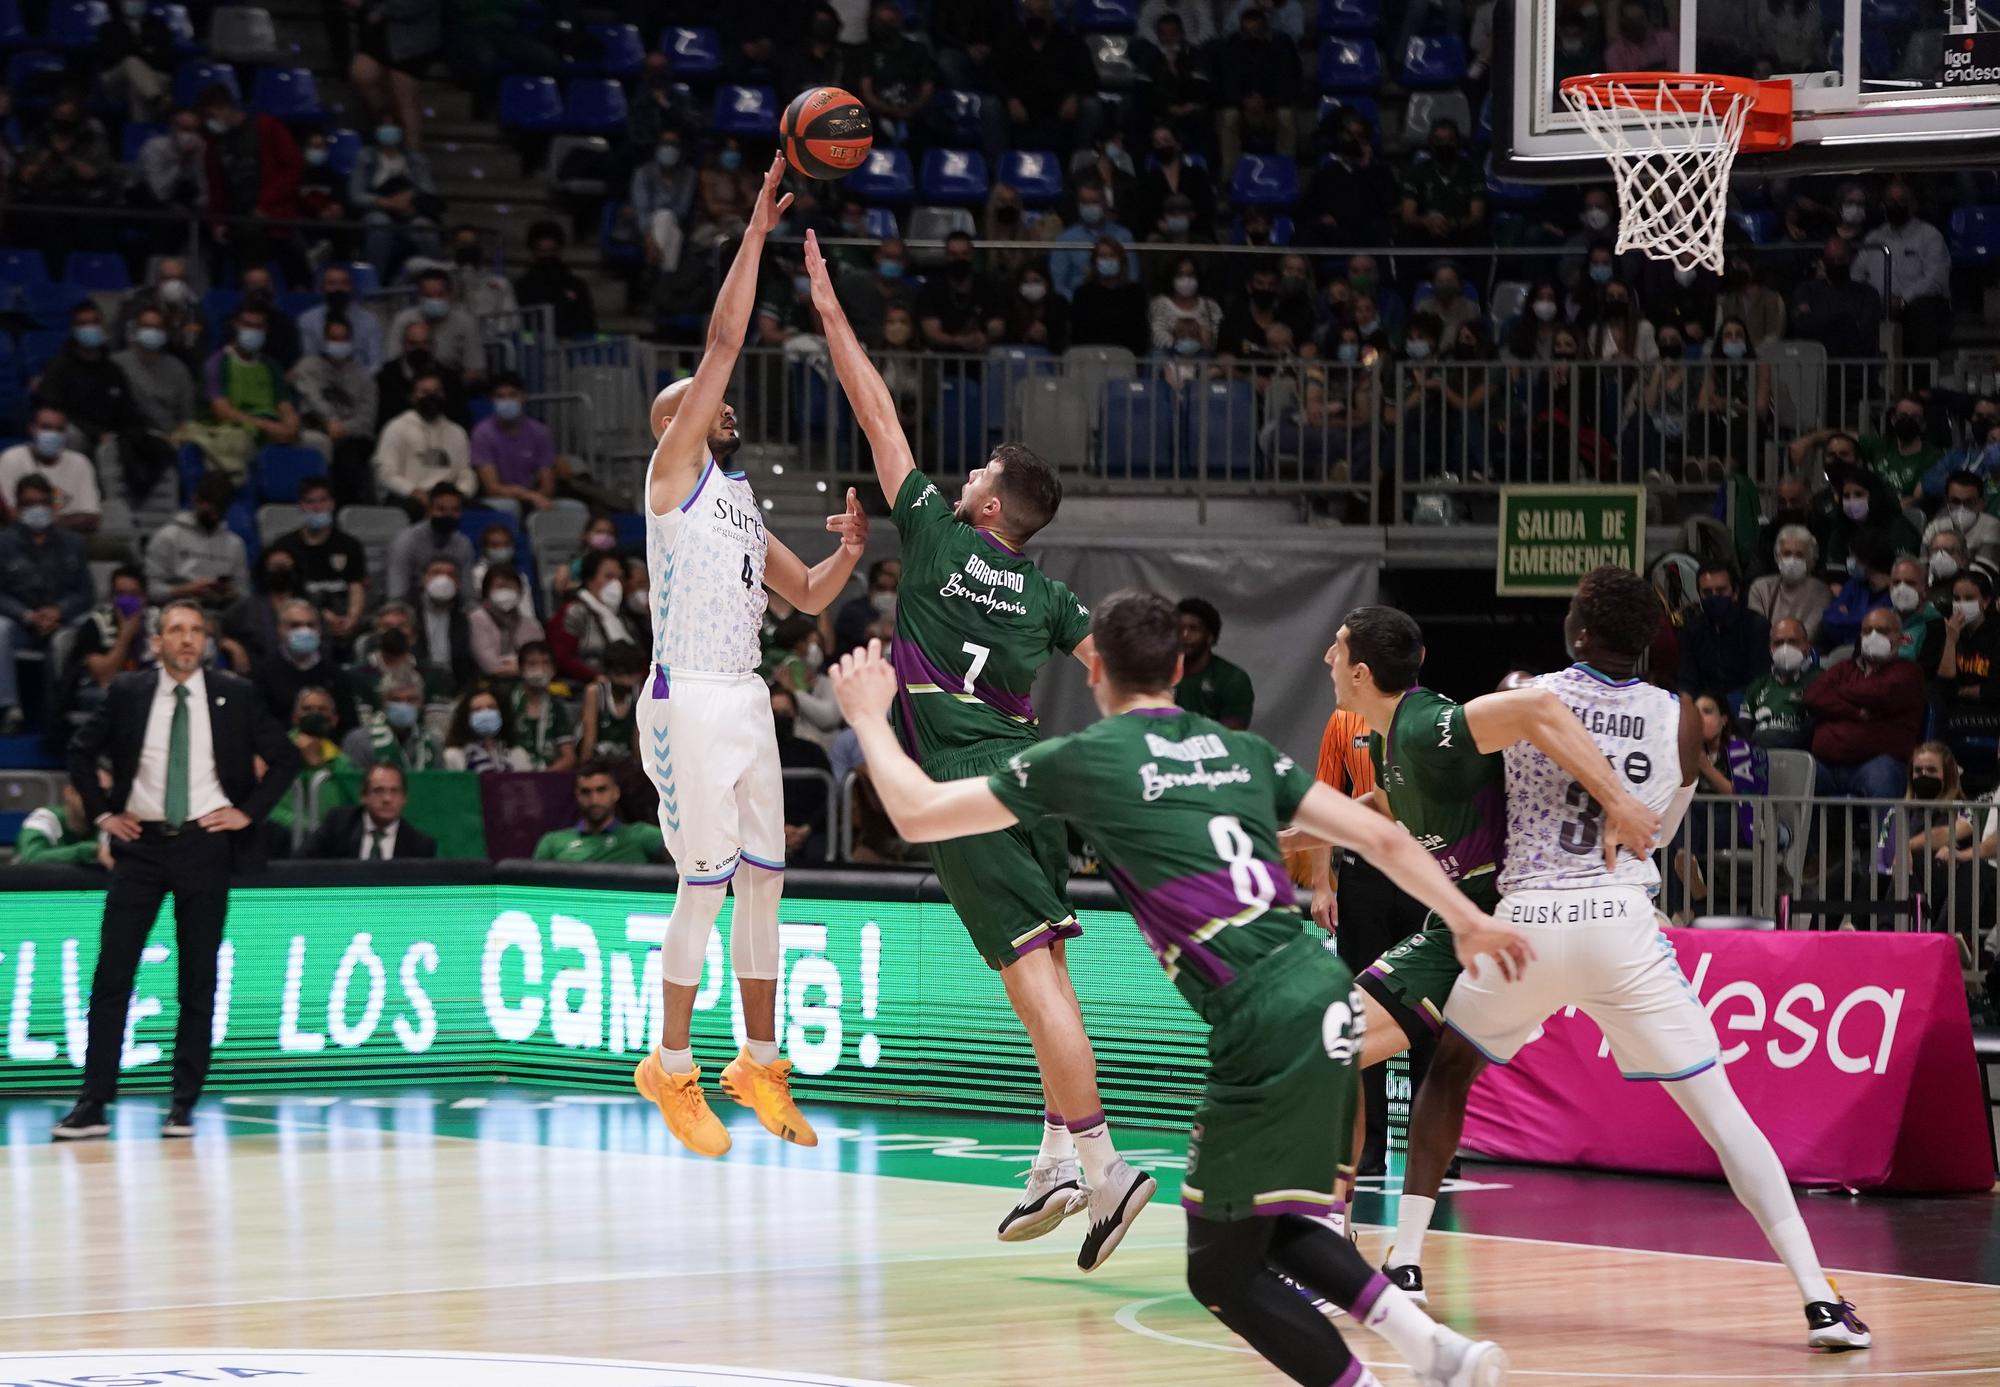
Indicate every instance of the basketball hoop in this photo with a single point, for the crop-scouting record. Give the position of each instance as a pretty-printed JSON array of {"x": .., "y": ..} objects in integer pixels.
[{"x": 1671, "y": 139}]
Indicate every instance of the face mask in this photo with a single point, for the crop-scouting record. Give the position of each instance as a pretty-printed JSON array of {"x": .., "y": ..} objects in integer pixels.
[
  {"x": 1907, "y": 428},
  {"x": 883, "y": 602},
  {"x": 250, "y": 340},
  {"x": 128, "y": 605},
  {"x": 507, "y": 410},
  {"x": 668, "y": 155},
  {"x": 1264, "y": 300},
  {"x": 1617, "y": 308},
  {"x": 729, "y": 160},
  {"x": 1187, "y": 346},
  {"x": 635, "y": 602},
  {"x": 466, "y": 255},
  {"x": 401, "y": 716},
  {"x": 1855, "y": 508},
  {"x": 151, "y": 338},
  {"x": 388, "y": 136},
  {"x": 1943, "y": 566},
  {"x": 1362, "y": 282},
  {"x": 1348, "y": 351},
  {"x": 443, "y": 527},
  {"x": 316, "y": 519},
  {"x": 37, "y": 517},
  {"x": 337, "y": 351},
  {"x": 435, "y": 308},
  {"x": 1735, "y": 350},
  {"x": 485, "y": 722},
  {"x": 783, "y": 723},
  {"x": 315, "y": 724},
  {"x": 207, "y": 520},
  {"x": 601, "y": 541},
  {"x": 1927, "y": 786},
  {"x": 959, "y": 270},
  {"x": 1034, "y": 291},
  {"x": 1369, "y": 327},
  {"x": 216, "y": 125},
  {"x": 815, "y": 658},
  {"x": 1898, "y": 213},
  {"x": 891, "y": 270},
  {"x": 612, "y": 593},
  {"x": 302, "y": 642},
  {"x": 1968, "y": 612},
  {"x": 1791, "y": 568},
  {"x": 1788, "y": 659},
  {"x": 1963, "y": 517},
  {"x": 1684, "y": 277},
  {"x": 429, "y": 408},
  {"x": 89, "y": 336},
  {"x": 1837, "y": 271},
  {"x": 1876, "y": 646},
  {"x": 1090, "y": 213},
  {"x": 1185, "y": 286},
  {"x": 1596, "y": 218},
  {"x": 1717, "y": 606},
  {"x": 1447, "y": 292},
  {"x": 1600, "y": 274},
  {"x": 1904, "y": 597},
  {"x": 441, "y": 589},
  {"x": 1853, "y": 213},
  {"x": 49, "y": 443},
  {"x": 536, "y": 678},
  {"x": 1417, "y": 349},
  {"x": 1108, "y": 266},
  {"x": 175, "y": 291},
  {"x": 1670, "y": 347},
  {"x": 506, "y": 599},
  {"x": 1545, "y": 309},
  {"x": 1444, "y": 153}
]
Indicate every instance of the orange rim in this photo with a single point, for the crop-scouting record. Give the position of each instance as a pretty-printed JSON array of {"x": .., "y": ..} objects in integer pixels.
[{"x": 1766, "y": 128}]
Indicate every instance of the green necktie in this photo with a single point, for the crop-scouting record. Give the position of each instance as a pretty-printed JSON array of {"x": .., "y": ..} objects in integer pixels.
[
  {"x": 374, "y": 853},
  {"x": 177, "y": 761}
]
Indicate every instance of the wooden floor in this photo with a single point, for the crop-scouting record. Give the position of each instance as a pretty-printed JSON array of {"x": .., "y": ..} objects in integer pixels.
[{"x": 301, "y": 1236}]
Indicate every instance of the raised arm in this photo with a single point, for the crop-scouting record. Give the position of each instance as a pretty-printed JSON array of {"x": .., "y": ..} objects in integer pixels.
[
  {"x": 812, "y": 590},
  {"x": 874, "y": 406},
  {"x": 684, "y": 441},
  {"x": 1538, "y": 717}
]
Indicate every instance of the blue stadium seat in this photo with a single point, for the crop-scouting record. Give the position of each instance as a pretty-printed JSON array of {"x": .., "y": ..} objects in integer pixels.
[
  {"x": 1482, "y": 129},
  {"x": 13, "y": 398},
  {"x": 1975, "y": 235},
  {"x": 1350, "y": 18},
  {"x": 1889, "y": 14},
  {"x": 1139, "y": 429},
  {"x": 13, "y": 33},
  {"x": 746, "y": 111},
  {"x": 366, "y": 278},
  {"x": 1433, "y": 61},
  {"x": 1222, "y": 428},
  {"x": 1350, "y": 65},
  {"x": 533, "y": 104},
  {"x": 197, "y": 75},
  {"x": 1264, "y": 180},
  {"x": 823, "y": 413},
  {"x": 961, "y": 424},
  {"x": 1105, "y": 16},
  {"x": 1516, "y": 195},
  {"x": 1367, "y": 107},
  {"x": 631, "y": 527},
  {"x": 276, "y": 472},
  {"x": 1035, "y": 175},
  {"x": 293, "y": 302},
  {"x": 960, "y": 113},
  {"x": 72, "y": 24},
  {"x": 218, "y": 306},
  {"x": 134, "y": 137},
  {"x": 885, "y": 177},
  {"x": 21, "y": 268},
  {"x": 97, "y": 271},
  {"x": 595, "y": 106},
  {"x": 180, "y": 26},
  {"x": 621, "y": 52},
  {"x": 693, "y": 52},
  {"x": 1758, "y": 224},
  {"x": 1007, "y": 367},
  {"x": 288, "y": 93},
  {"x": 343, "y": 148},
  {"x": 1424, "y": 293},
  {"x": 51, "y": 304},
  {"x": 625, "y": 254},
  {"x": 34, "y": 78},
  {"x": 39, "y": 348},
  {"x": 882, "y": 224},
  {"x": 956, "y": 177}
]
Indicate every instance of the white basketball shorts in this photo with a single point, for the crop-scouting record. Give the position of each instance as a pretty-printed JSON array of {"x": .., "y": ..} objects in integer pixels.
[
  {"x": 712, "y": 752},
  {"x": 1601, "y": 951}
]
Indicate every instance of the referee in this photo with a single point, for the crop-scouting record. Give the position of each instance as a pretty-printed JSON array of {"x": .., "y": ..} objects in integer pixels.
[{"x": 185, "y": 809}]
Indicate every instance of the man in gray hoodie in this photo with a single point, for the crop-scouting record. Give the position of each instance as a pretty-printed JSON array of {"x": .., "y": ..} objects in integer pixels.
[{"x": 195, "y": 555}]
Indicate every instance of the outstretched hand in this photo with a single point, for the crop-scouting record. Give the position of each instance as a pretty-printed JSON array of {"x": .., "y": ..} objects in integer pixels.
[
  {"x": 823, "y": 297},
  {"x": 851, "y": 524},
  {"x": 770, "y": 206},
  {"x": 865, "y": 683}
]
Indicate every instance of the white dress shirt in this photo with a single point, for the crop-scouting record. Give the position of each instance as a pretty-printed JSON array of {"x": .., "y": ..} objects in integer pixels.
[
  {"x": 148, "y": 800},
  {"x": 387, "y": 847}
]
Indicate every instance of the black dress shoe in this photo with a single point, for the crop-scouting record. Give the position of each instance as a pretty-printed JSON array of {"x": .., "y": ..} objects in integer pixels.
[
  {"x": 180, "y": 1121},
  {"x": 84, "y": 1123}
]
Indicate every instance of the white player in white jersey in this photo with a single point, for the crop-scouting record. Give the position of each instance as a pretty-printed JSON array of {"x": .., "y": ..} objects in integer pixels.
[
  {"x": 1598, "y": 946},
  {"x": 704, "y": 714}
]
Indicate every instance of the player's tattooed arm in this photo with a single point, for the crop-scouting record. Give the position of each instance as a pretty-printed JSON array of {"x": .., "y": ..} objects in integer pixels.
[
  {"x": 874, "y": 406},
  {"x": 812, "y": 590},
  {"x": 1538, "y": 717},
  {"x": 923, "y": 810}
]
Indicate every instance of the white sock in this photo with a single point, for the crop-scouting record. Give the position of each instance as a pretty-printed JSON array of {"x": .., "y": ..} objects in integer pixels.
[
  {"x": 1413, "y": 1220},
  {"x": 1057, "y": 1143},
  {"x": 676, "y": 1061},
  {"x": 1392, "y": 1314},
  {"x": 764, "y": 1052},
  {"x": 1094, "y": 1148},
  {"x": 1794, "y": 1246}
]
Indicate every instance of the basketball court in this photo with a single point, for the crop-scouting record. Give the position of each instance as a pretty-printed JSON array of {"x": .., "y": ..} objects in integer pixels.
[{"x": 443, "y": 1236}]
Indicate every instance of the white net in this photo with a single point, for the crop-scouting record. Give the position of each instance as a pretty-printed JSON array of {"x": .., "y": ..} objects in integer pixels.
[{"x": 1671, "y": 142}]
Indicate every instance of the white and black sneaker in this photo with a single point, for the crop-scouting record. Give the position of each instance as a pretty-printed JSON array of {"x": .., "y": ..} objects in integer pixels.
[
  {"x": 1113, "y": 1208},
  {"x": 84, "y": 1123},
  {"x": 1409, "y": 1279},
  {"x": 1834, "y": 1326},
  {"x": 180, "y": 1121},
  {"x": 1457, "y": 1361},
  {"x": 1055, "y": 1191}
]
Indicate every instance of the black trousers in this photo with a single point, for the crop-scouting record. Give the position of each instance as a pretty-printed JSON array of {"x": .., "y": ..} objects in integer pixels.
[{"x": 193, "y": 867}]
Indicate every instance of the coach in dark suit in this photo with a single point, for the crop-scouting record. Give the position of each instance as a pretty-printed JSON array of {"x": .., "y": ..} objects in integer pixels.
[
  {"x": 185, "y": 809},
  {"x": 375, "y": 829}
]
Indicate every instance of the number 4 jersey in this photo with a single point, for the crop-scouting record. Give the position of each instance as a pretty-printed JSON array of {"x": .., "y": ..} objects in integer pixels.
[
  {"x": 705, "y": 560},
  {"x": 1184, "y": 813},
  {"x": 1554, "y": 827}
]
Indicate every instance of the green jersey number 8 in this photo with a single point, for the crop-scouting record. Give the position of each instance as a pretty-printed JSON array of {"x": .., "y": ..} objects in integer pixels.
[{"x": 1250, "y": 878}]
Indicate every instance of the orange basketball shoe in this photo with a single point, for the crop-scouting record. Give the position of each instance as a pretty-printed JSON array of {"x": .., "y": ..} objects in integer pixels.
[
  {"x": 767, "y": 1091},
  {"x": 682, "y": 1103}
]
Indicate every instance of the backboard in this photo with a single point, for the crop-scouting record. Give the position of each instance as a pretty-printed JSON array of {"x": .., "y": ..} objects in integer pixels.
[{"x": 1877, "y": 84}]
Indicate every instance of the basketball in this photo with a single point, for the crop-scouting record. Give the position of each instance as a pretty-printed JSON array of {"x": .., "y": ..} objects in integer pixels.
[{"x": 826, "y": 132}]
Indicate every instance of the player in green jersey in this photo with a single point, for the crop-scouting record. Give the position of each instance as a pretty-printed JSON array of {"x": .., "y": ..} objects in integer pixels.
[
  {"x": 975, "y": 622},
  {"x": 1184, "y": 813}
]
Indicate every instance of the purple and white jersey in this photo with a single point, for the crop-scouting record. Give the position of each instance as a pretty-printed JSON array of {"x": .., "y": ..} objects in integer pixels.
[
  {"x": 1554, "y": 826},
  {"x": 705, "y": 562}
]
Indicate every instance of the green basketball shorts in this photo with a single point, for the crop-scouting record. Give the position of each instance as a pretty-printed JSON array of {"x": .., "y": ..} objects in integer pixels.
[
  {"x": 1413, "y": 981},
  {"x": 1010, "y": 888}
]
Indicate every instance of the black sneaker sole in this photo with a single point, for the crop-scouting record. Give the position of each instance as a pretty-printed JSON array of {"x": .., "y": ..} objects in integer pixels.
[
  {"x": 102, "y": 1129},
  {"x": 1103, "y": 1238},
  {"x": 1029, "y": 1221}
]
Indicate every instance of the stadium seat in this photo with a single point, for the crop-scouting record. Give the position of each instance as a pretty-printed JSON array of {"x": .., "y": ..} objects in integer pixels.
[
  {"x": 50, "y": 305},
  {"x": 1051, "y": 415},
  {"x": 580, "y": 165},
  {"x": 97, "y": 271},
  {"x": 631, "y": 528},
  {"x": 133, "y": 138},
  {"x": 1111, "y": 55},
  {"x": 622, "y": 253},
  {"x": 960, "y": 113},
  {"x": 34, "y": 78},
  {"x": 1367, "y": 107},
  {"x": 1433, "y": 62},
  {"x": 936, "y": 223},
  {"x": 885, "y": 177},
  {"x": 1222, "y": 428},
  {"x": 218, "y": 306},
  {"x": 1105, "y": 16},
  {"x": 72, "y": 24},
  {"x": 293, "y": 302},
  {"x": 532, "y": 104},
  {"x": 1350, "y": 18},
  {"x": 1424, "y": 109},
  {"x": 366, "y": 278},
  {"x": 1006, "y": 369},
  {"x": 621, "y": 52},
  {"x": 1510, "y": 296},
  {"x": 961, "y": 424},
  {"x": 243, "y": 34},
  {"x": 343, "y": 148},
  {"x": 1482, "y": 129},
  {"x": 1036, "y": 176},
  {"x": 274, "y": 521},
  {"x": 276, "y": 473},
  {"x": 1350, "y": 65},
  {"x": 1264, "y": 180},
  {"x": 1424, "y": 294},
  {"x": 694, "y": 52},
  {"x": 39, "y": 348},
  {"x": 1282, "y": 231},
  {"x": 1516, "y": 195},
  {"x": 1889, "y": 14},
  {"x": 13, "y": 398},
  {"x": 288, "y": 93},
  {"x": 1139, "y": 429},
  {"x": 1758, "y": 224},
  {"x": 21, "y": 268},
  {"x": 180, "y": 26},
  {"x": 595, "y": 105},
  {"x": 954, "y": 176},
  {"x": 13, "y": 33},
  {"x": 823, "y": 413},
  {"x": 1975, "y": 235},
  {"x": 746, "y": 111},
  {"x": 882, "y": 224},
  {"x": 197, "y": 75}
]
